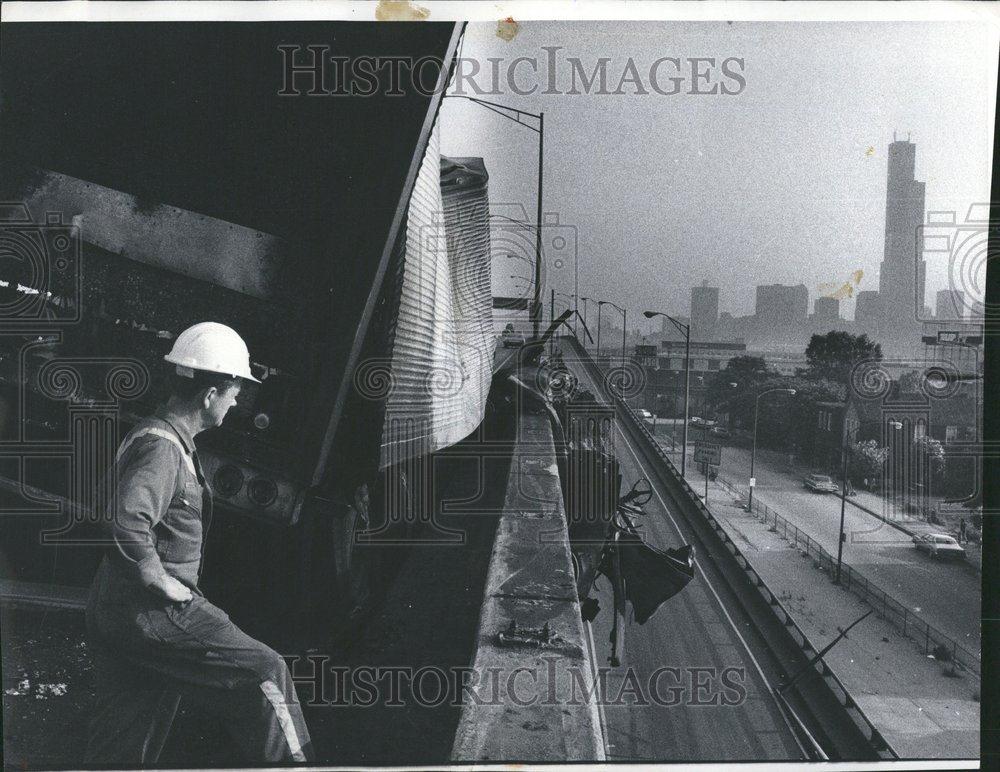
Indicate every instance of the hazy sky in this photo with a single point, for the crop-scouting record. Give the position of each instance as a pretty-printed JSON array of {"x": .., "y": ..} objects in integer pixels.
[{"x": 774, "y": 184}]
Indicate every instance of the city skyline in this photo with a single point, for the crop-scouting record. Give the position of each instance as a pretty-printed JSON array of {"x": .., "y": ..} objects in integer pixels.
[{"x": 681, "y": 200}]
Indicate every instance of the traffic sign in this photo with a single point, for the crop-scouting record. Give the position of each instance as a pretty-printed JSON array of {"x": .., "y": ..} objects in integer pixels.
[{"x": 708, "y": 453}]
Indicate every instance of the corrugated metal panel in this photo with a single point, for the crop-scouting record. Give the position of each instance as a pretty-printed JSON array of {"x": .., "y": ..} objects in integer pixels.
[{"x": 442, "y": 341}]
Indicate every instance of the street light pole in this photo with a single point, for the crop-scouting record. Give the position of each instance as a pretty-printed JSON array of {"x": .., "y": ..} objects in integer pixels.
[
  {"x": 685, "y": 329},
  {"x": 515, "y": 115},
  {"x": 599, "y": 304},
  {"x": 568, "y": 299},
  {"x": 624, "y": 314},
  {"x": 552, "y": 318},
  {"x": 753, "y": 450},
  {"x": 585, "y": 318},
  {"x": 624, "y": 330},
  {"x": 843, "y": 487},
  {"x": 538, "y": 223},
  {"x": 687, "y": 394}
]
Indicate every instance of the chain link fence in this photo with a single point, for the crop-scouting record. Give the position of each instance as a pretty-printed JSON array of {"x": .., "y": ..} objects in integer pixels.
[{"x": 928, "y": 637}]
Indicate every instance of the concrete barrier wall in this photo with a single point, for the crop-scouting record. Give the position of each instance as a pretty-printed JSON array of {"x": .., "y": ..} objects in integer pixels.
[
  {"x": 671, "y": 477},
  {"x": 529, "y": 701}
]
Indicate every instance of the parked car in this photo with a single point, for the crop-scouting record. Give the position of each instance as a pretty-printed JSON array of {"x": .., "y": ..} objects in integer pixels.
[
  {"x": 820, "y": 483},
  {"x": 720, "y": 431},
  {"x": 939, "y": 545}
]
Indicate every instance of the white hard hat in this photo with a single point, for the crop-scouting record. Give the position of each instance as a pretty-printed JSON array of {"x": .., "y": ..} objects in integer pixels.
[{"x": 212, "y": 347}]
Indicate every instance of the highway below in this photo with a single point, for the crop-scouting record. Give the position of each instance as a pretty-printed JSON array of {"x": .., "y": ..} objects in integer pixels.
[
  {"x": 724, "y": 709},
  {"x": 945, "y": 594}
]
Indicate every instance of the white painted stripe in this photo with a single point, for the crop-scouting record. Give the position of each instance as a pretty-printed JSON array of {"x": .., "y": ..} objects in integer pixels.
[
  {"x": 157, "y": 433},
  {"x": 277, "y": 700}
]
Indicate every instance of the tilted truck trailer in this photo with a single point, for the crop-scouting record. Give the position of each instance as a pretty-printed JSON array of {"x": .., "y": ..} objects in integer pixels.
[{"x": 137, "y": 206}]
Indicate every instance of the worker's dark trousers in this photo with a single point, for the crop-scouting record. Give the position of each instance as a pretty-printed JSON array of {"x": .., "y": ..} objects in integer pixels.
[{"x": 149, "y": 653}]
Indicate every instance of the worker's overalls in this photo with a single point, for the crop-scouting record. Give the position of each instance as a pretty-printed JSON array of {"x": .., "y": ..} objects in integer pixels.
[{"x": 148, "y": 651}]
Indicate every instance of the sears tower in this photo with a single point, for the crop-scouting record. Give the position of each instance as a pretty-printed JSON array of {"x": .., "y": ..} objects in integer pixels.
[{"x": 901, "y": 275}]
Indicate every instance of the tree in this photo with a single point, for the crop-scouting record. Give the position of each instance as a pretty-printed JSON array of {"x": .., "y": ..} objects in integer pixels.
[
  {"x": 929, "y": 452},
  {"x": 832, "y": 356},
  {"x": 746, "y": 372},
  {"x": 745, "y": 367},
  {"x": 788, "y": 422},
  {"x": 866, "y": 461}
]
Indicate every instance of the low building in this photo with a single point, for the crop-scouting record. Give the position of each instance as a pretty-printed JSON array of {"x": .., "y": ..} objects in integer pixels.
[
  {"x": 705, "y": 357},
  {"x": 821, "y": 448},
  {"x": 665, "y": 377},
  {"x": 951, "y": 417},
  {"x": 645, "y": 354}
]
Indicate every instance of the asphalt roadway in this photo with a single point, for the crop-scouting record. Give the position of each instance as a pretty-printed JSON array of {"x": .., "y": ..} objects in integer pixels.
[
  {"x": 947, "y": 595},
  {"x": 702, "y": 641}
]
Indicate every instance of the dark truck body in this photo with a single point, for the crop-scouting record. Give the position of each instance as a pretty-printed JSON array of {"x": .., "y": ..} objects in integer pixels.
[{"x": 202, "y": 194}]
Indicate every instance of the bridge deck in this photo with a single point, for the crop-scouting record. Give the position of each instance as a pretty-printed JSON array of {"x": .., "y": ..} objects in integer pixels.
[{"x": 696, "y": 634}]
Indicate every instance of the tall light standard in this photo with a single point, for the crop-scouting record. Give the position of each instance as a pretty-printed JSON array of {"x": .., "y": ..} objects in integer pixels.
[
  {"x": 685, "y": 330},
  {"x": 598, "y": 358},
  {"x": 624, "y": 314},
  {"x": 585, "y": 316},
  {"x": 753, "y": 451},
  {"x": 515, "y": 115},
  {"x": 568, "y": 297},
  {"x": 843, "y": 482}
]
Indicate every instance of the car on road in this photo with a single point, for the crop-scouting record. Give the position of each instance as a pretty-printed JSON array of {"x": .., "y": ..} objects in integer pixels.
[
  {"x": 696, "y": 421},
  {"x": 939, "y": 545},
  {"x": 720, "y": 431},
  {"x": 820, "y": 483},
  {"x": 644, "y": 414}
]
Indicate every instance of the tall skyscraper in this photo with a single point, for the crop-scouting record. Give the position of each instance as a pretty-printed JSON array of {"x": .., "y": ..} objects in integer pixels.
[
  {"x": 704, "y": 312},
  {"x": 950, "y": 305},
  {"x": 901, "y": 274}
]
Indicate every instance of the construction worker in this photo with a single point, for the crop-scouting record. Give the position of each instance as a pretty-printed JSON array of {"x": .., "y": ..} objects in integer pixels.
[{"x": 154, "y": 636}]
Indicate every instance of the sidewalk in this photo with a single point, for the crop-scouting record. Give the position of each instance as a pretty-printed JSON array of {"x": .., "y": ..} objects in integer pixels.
[
  {"x": 878, "y": 506},
  {"x": 920, "y": 710},
  {"x": 779, "y": 465},
  {"x": 945, "y": 595}
]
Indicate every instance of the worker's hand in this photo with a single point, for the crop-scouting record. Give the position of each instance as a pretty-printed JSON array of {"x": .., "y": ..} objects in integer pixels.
[{"x": 171, "y": 589}]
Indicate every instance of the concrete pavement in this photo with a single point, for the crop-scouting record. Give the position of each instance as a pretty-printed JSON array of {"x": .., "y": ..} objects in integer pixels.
[
  {"x": 919, "y": 708},
  {"x": 695, "y": 635},
  {"x": 946, "y": 595}
]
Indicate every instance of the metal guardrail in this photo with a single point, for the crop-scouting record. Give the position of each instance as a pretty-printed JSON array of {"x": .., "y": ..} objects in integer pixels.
[
  {"x": 910, "y": 624},
  {"x": 886, "y": 607},
  {"x": 858, "y": 715}
]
